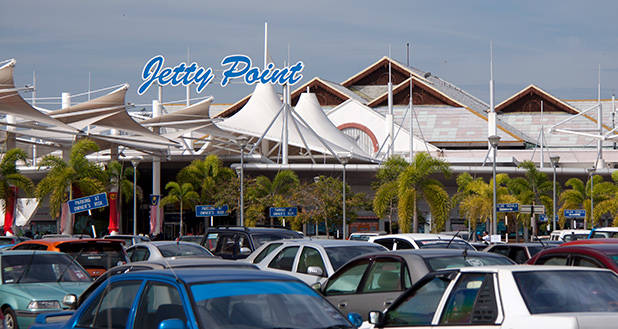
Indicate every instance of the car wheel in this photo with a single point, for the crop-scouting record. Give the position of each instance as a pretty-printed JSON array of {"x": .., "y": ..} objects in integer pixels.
[{"x": 10, "y": 320}]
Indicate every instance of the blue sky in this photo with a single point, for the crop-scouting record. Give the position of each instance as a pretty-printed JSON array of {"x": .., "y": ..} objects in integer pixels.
[{"x": 556, "y": 45}]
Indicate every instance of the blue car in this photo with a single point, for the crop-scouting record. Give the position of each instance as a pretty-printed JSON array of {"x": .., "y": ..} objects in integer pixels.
[{"x": 194, "y": 298}]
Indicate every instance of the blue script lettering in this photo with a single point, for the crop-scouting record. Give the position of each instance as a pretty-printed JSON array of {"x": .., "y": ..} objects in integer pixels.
[
  {"x": 240, "y": 66},
  {"x": 180, "y": 74}
]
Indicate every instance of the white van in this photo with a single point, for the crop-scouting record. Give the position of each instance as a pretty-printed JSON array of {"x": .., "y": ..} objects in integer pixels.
[{"x": 569, "y": 235}]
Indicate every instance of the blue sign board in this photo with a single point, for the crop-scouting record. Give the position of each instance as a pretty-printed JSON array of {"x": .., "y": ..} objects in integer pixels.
[
  {"x": 207, "y": 211},
  {"x": 154, "y": 199},
  {"x": 507, "y": 207},
  {"x": 283, "y": 211},
  {"x": 87, "y": 203},
  {"x": 575, "y": 213},
  {"x": 544, "y": 218}
]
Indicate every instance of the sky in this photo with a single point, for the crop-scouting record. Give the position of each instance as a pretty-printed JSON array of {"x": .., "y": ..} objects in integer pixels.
[{"x": 556, "y": 45}]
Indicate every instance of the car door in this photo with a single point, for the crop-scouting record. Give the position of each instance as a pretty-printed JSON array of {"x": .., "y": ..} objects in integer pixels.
[
  {"x": 159, "y": 301},
  {"x": 111, "y": 308},
  {"x": 344, "y": 286},
  {"x": 401, "y": 244},
  {"x": 284, "y": 260},
  {"x": 310, "y": 257}
]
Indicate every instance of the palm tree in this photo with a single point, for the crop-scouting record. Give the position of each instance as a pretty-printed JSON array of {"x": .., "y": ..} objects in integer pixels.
[
  {"x": 415, "y": 184},
  {"x": 265, "y": 193},
  {"x": 386, "y": 198},
  {"x": 10, "y": 176},
  {"x": 609, "y": 205},
  {"x": 579, "y": 195},
  {"x": 207, "y": 176},
  {"x": 120, "y": 180},
  {"x": 184, "y": 195},
  {"x": 534, "y": 188},
  {"x": 64, "y": 177}
]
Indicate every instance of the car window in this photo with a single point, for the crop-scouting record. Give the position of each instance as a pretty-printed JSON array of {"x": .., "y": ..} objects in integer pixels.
[
  {"x": 338, "y": 256},
  {"x": 347, "y": 282},
  {"x": 102, "y": 255},
  {"x": 518, "y": 254},
  {"x": 384, "y": 275},
  {"x": 261, "y": 238},
  {"x": 31, "y": 246},
  {"x": 39, "y": 268},
  {"x": 403, "y": 244},
  {"x": 407, "y": 283},
  {"x": 227, "y": 245},
  {"x": 552, "y": 260},
  {"x": 387, "y": 242},
  {"x": 284, "y": 259},
  {"x": 183, "y": 249},
  {"x": 138, "y": 254},
  {"x": 211, "y": 241},
  {"x": 266, "y": 251},
  {"x": 586, "y": 262},
  {"x": 310, "y": 257},
  {"x": 418, "y": 307},
  {"x": 243, "y": 241},
  {"x": 472, "y": 301},
  {"x": 159, "y": 302},
  {"x": 111, "y": 308}
]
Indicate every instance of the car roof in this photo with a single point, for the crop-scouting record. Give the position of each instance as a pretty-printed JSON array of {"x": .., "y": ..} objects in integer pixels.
[
  {"x": 591, "y": 241},
  {"x": 28, "y": 252},
  {"x": 328, "y": 242},
  {"x": 607, "y": 229},
  {"x": 53, "y": 242},
  {"x": 194, "y": 275},
  {"x": 439, "y": 252},
  {"x": 252, "y": 229},
  {"x": 604, "y": 248},
  {"x": 420, "y": 236},
  {"x": 163, "y": 243},
  {"x": 194, "y": 262},
  {"x": 526, "y": 268},
  {"x": 523, "y": 244}
]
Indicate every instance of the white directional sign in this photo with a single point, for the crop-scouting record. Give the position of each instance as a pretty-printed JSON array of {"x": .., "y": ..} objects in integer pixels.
[{"x": 527, "y": 209}]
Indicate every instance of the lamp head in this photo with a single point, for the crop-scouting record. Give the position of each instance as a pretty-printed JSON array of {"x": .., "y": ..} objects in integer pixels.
[
  {"x": 554, "y": 160},
  {"x": 494, "y": 140}
]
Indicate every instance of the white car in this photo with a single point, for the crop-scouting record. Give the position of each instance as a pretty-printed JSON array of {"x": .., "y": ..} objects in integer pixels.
[
  {"x": 420, "y": 241},
  {"x": 569, "y": 235},
  {"x": 159, "y": 250},
  {"x": 309, "y": 260},
  {"x": 604, "y": 232},
  {"x": 516, "y": 296}
]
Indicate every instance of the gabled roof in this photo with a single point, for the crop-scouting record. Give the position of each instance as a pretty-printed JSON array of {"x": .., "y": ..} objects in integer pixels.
[
  {"x": 400, "y": 72},
  {"x": 337, "y": 94},
  {"x": 404, "y": 88},
  {"x": 517, "y": 102}
]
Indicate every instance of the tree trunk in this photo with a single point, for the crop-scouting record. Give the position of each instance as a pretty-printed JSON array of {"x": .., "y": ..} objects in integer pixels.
[
  {"x": 325, "y": 227},
  {"x": 516, "y": 231},
  {"x": 526, "y": 233},
  {"x": 180, "y": 229},
  {"x": 533, "y": 222},
  {"x": 414, "y": 217}
]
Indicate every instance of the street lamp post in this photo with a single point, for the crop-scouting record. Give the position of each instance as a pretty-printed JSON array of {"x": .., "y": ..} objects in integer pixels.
[
  {"x": 494, "y": 140},
  {"x": 554, "y": 163},
  {"x": 591, "y": 177},
  {"x": 344, "y": 160},
  {"x": 135, "y": 163},
  {"x": 241, "y": 141}
]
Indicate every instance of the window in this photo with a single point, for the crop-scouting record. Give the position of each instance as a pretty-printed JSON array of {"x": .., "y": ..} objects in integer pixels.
[
  {"x": 211, "y": 240},
  {"x": 472, "y": 301},
  {"x": 266, "y": 252},
  {"x": 101, "y": 255},
  {"x": 388, "y": 243},
  {"x": 403, "y": 244},
  {"x": 183, "y": 249},
  {"x": 518, "y": 254},
  {"x": 160, "y": 302},
  {"x": 347, "y": 281},
  {"x": 139, "y": 254},
  {"x": 338, "y": 256},
  {"x": 285, "y": 259},
  {"x": 406, "y": 277},
  {"x": 585, "y": 262},
  {"x": 502, "y": 250},
  {"x": 418, "y": 307},
  {"x": 111, "y": 308},
  {"x": 552, "y": 260},
  {"x": 385, "y": 275},
  {"x": 310, "y": 257},
  {"x": 31, "y": 246},
  {"x": 227, "y": 245}
]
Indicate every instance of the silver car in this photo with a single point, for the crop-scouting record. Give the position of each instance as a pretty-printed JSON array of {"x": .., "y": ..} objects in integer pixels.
[
  {"x": 309, "y": 260},
  {"x": 156, "y": 250}
]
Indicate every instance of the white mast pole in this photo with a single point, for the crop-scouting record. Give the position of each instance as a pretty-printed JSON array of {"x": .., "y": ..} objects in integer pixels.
[
  {"x": 411, "y": 109},
  {"x": 601, "y": 163},
  {"x": 188, "y": 89},
  {"x": 492, "y": 111},
  {"x": 89, "y": 85},
  {"x": 265, "y": 44},
  {"x": 614, "y": 115},
  {"x": 390, "y": 104},
  {"x": 542, "y": 137}
]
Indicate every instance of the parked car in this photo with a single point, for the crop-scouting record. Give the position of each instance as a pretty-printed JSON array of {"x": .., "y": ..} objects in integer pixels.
[
  {"x": 233, "y": 242},
  {"x": 192, "y": 238},
  {"x": 374, "y": 281},
  {"x": 569, "y": 235},
  {"x": 592, "y": 255},
  {"x": 519, "y": 252},
  {"x": 420, "y": 241},
  {"x": 310, "y": 260},
  {"x": 127, "y": 239},
  {"x": 157, "y": 250},
  {"x": 507, "y": 297},
  {"x": 95, "y": 255},
  {"x": 12, "y": 239},
  {"x": 590, "y": 242},
  {"x": 66, "y": 236},
  {"x": 35, "y": 282},
  {"x": 364, "y": 236},
  {"x": 604, "y": 232},
  {"x": 194, "y": 298}
]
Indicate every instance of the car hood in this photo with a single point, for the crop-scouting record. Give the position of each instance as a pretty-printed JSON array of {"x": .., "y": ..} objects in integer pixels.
[{"x": 47, "y": 290}]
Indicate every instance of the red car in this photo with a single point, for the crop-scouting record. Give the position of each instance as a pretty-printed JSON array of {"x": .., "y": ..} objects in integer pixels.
[
  {"x": 590, "y": 255},
  {"x": 590, "y": 241}
]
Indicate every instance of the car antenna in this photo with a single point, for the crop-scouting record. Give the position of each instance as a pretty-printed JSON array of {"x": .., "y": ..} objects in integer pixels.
[
  {"x": 541, "y": 241},
  {"x": 451, "y": 240}
]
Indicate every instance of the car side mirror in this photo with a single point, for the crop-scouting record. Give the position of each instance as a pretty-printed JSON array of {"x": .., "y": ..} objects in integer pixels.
[
  {"x": 315, "y": 270},
  {"x": 70, "y": 301},
  {"x": 356, "y": 319},
  {"x": 172, "y": 324},
  {"x": 376, "y": 318},
  {"x": 245, "y": 251},
  {"x": 317, "y": 286}
]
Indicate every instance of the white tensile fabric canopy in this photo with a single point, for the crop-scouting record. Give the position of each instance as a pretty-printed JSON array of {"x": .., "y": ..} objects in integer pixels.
[
  {"x": 260, "y": 111},
  {"x": 309, "y": 109}
]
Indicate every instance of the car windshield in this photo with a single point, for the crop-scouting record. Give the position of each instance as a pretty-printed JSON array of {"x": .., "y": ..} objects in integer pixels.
[
  {"x": 261, "y": 238},
  {"x": 263, "y": 304},
  {"x": 36, "y": 268},
  {"x": 433, "y": 244},
  {"x": 419, "y": 306},
  {"x": 439, "y": 263},
  {"x": 340, "y": 255},
  {"x": 183, "y": 249},
  {"x": 102, "y": 255},
  {"x": 545, "y": 292}
]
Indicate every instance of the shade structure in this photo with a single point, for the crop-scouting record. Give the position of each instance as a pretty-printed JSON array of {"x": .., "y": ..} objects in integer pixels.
[
  {"x": 191, "y": 116},
  {"x": 12, "y": 103},
  {"x": 310, "y": 110},
  {"x": 262, "y": 109}
]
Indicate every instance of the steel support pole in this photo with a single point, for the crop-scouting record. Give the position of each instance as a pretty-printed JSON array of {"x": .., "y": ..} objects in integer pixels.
[
  {"x": 135, "y": 163},
  {"x": 494, "y": 224},
  {"x": 242, "y": 182},
  {"x": 554, "y": 200},
  {"x": 343, "y": 204}
]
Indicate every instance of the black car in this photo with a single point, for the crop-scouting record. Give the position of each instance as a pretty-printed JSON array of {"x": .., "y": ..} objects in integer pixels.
[
  {"x": 234, "y": 242},
  {"x": 519, "y": 252}
]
